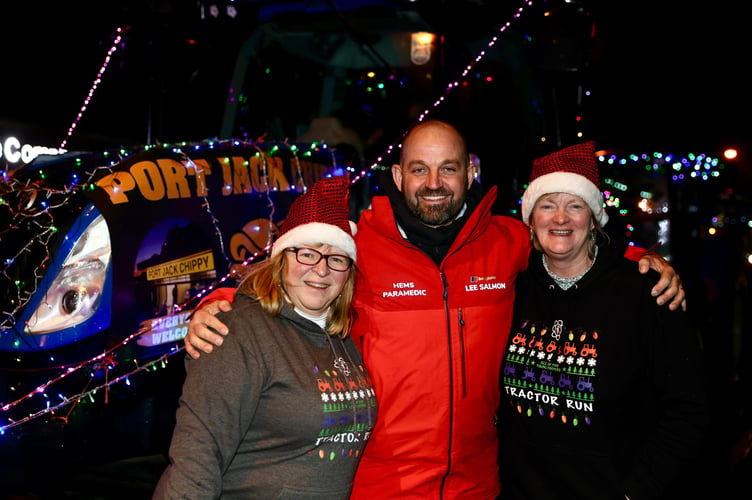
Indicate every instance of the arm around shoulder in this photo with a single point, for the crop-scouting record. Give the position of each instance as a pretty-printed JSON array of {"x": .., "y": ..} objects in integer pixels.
[{"x": 204, "y": 330}]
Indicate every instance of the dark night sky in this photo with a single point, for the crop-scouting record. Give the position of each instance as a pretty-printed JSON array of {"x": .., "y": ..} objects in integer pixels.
[
  {"x": 674, "y": 72},
  {"x": 664, "y": 74}
]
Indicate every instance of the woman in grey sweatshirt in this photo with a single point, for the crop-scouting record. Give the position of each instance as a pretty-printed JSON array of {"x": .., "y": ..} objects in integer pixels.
[{"x": 284, "y": 407}]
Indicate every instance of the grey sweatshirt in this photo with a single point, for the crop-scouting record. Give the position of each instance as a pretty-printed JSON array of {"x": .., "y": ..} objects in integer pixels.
[{"x": 280, "y": 410}]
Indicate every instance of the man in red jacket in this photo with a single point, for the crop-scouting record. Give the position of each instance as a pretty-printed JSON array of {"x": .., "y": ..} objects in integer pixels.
[{"x": 433, "y": 311}]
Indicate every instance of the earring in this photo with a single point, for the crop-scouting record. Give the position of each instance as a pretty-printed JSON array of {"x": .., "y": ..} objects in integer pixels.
[
  {"x": 531, "y": 233},
  {"x": 592, "y": 235}
]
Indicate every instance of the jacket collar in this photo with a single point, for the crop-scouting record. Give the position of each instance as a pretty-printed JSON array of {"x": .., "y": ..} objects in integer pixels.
[{"x": 434, "y": 242}]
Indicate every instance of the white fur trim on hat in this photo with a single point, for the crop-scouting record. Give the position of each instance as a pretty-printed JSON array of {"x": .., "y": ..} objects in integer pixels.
[
  {"x": 316, "y": 232},
  {"x": 564, "y": 182}
]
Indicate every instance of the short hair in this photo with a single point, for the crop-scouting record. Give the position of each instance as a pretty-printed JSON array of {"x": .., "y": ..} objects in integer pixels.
[
  {"x": 265, "y": 281},
  {"x": 599, "y": 234},
  {"x": 436, "y": 123}
]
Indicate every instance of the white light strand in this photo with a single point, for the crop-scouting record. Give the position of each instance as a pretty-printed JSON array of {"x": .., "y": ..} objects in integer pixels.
[
  {"x": 94, "y": 86},
  {"x": 454, "y": 84}
]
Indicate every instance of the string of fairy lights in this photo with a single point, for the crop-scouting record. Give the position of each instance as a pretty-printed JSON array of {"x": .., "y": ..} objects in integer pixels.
[
  {"x": 454, "y": 84},
  {"x": 676, "y": 169},
  {"x": 115, "y": 44},
  {"x": 37, "y": 212},
  {"x": 41, "y": 205}
]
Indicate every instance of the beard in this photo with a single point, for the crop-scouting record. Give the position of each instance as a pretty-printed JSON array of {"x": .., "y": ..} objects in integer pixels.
[{"x": 435, "y": 214}]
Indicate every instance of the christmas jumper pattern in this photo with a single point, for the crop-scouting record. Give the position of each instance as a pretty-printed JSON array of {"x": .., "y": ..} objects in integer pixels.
[
  {"x": 349, "y": 408},
  {"x": 549, "y": 372}
]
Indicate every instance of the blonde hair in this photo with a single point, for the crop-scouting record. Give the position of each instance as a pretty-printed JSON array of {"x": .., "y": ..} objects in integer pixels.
[{"x": 265, "y": 281}]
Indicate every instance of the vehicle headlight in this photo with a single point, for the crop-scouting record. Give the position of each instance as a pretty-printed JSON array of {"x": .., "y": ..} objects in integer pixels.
[{"x": 75, "y": 292}]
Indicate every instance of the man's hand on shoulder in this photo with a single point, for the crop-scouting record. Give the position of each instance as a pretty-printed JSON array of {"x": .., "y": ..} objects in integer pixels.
[
  {"x": 669, "y": 287},
  {"x": 205, "y": 330}
]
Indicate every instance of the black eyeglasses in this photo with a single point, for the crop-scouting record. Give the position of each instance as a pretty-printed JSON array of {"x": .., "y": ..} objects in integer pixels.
[{"x": 311, "y": 257}]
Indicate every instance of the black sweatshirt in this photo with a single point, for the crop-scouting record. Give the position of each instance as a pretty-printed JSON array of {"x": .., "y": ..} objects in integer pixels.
[{"x": 605, "y": 392}]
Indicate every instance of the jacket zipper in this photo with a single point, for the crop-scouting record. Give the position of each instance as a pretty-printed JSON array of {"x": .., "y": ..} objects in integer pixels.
[
  {"x": 451, "y": 385},
  {"x": 462, "y": 354},
  {"x": 451, "y": 363}
]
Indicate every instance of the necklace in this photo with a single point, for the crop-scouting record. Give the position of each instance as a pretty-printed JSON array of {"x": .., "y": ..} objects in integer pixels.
[{"x": 566, "y": 283}]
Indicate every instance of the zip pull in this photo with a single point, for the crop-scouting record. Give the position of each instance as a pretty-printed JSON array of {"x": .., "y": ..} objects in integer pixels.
[{"x": 462, "y": 353}]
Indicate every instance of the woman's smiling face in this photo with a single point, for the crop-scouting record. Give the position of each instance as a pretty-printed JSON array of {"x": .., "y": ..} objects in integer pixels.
[
  {"x": 312, "y": 289},
  {"x": 562, "y": 223}
]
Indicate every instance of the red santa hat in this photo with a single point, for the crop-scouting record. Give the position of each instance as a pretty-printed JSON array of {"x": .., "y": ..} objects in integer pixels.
[
  {"x": 320, "y": 215},
  {"x": 572, "y": 170}
]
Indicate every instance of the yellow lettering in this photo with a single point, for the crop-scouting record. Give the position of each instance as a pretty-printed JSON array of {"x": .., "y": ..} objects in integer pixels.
[
  {"x": 149, "y": 180},
  {"x": 167, "y": 178},
  {"x": 241, "y": 179},
  {"x": 201, "y": 170},
  {"x": 196, "y": 263},
  {"x": 277, "y": 174},
  {"x": 240, "y": 247},
  {"x": 258, "y": 166},
  {"x": 116, "y": 185},
  {"x": 312, "y": 171},
  {"x": 174, "y": 177}
]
